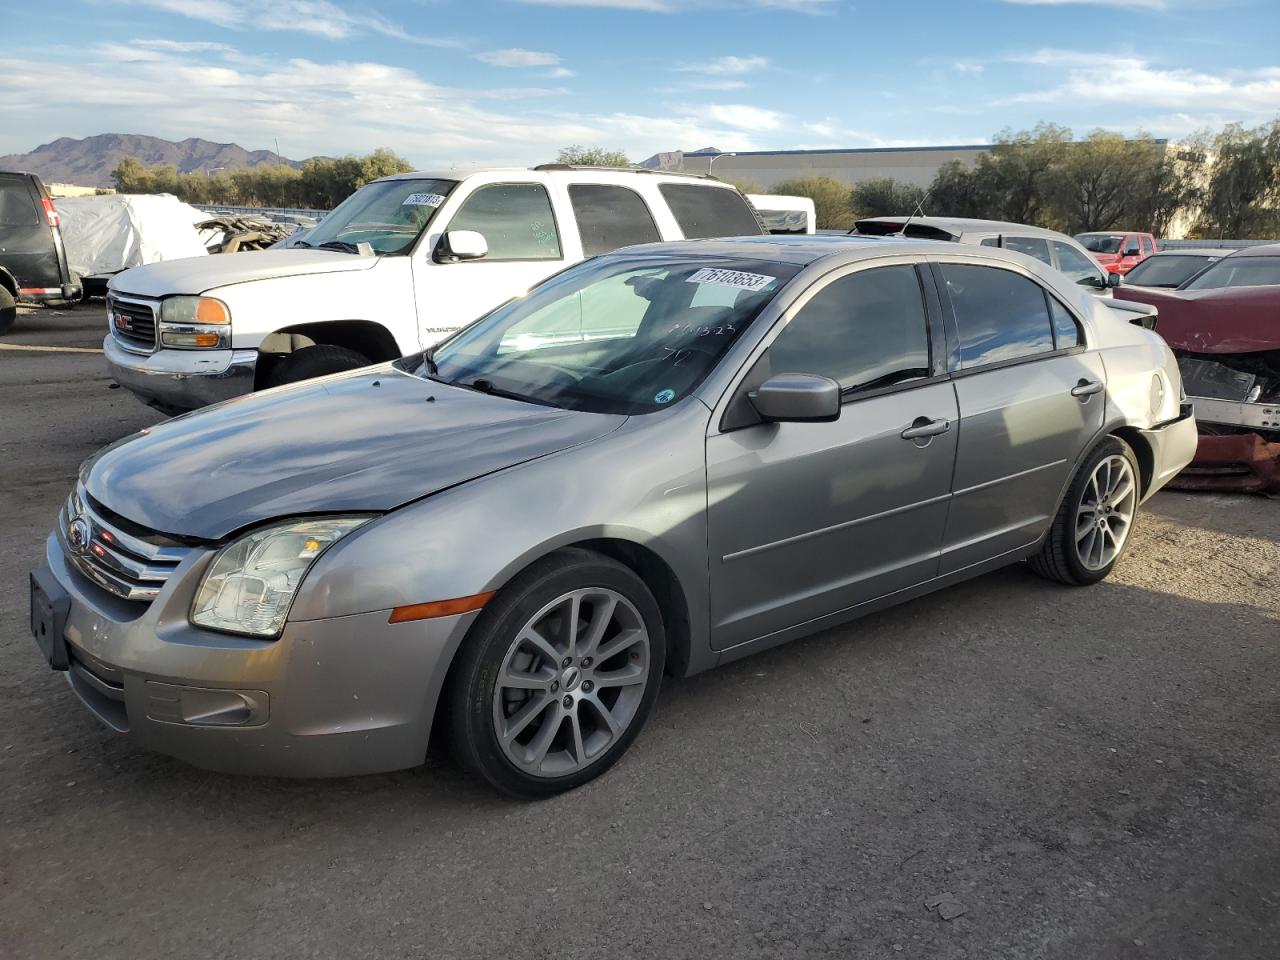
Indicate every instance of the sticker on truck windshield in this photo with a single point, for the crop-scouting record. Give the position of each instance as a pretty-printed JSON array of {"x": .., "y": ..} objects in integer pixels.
[
  {"x": 732, "y": 278},
  {"x": 422, "y": 200}
]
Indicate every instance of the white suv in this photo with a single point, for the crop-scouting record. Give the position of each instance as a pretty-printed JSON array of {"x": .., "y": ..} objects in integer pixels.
[{"x": 396, "y": 267}]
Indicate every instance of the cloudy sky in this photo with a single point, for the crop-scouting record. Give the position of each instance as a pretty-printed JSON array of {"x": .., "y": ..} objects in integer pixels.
[{"x": 445, "y": 82}]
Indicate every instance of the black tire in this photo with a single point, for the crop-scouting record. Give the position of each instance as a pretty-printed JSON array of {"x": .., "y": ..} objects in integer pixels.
[
  {"x": 8, "y": 311},
  {"x": 472, "y": 686},
  {"x": 1058, "y": 558},
  {"x": 315, "y": 361}
]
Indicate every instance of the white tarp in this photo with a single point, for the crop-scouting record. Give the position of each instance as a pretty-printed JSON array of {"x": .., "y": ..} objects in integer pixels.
[{"x": 110, "y": 233}]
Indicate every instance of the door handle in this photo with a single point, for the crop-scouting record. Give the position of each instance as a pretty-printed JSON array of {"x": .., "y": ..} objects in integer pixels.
[
  {"x": 924, "y": 427},
  {"x": 1086, "y": 388}
]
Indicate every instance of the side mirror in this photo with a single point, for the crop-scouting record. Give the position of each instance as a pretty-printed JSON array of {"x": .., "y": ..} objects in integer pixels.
[
  {"x": 797, "y": 398},
  {"x": 458, "y": 245},
  {"x": 1114, "y": 280}
]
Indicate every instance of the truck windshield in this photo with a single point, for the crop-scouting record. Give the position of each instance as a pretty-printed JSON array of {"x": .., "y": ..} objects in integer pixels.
[
  {"x": 388, "y": 215},
  {"x": 1099, "y": 243},
  {"x": 613, "y": 335}
]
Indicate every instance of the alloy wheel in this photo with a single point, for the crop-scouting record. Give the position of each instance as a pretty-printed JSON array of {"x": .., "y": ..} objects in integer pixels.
[
  {"x": 571, "y": 682},
  {"x": 1105, "y": 513}
]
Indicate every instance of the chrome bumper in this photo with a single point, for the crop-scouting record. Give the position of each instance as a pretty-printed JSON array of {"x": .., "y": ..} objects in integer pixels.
[
  {"x": 181, "y": 379},
  {"x": 334, "y": 697}
]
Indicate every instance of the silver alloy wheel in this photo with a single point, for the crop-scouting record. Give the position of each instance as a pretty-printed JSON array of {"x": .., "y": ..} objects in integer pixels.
[
  {"x": 1105, "y": 513},
  {"x": 571, "y": 682}
]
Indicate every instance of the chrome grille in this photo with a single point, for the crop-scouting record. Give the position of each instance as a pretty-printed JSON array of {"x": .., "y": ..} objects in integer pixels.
[
  {"x": 133, "y": 323},
  {"x": 129, "y": 566}
]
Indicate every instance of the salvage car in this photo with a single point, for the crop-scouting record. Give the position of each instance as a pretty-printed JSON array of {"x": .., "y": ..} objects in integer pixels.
[
  {"x": 397, "y": 266},
  {"x": 1222, "y": 325},
  {"x": 662, "y": 459},
  {"x": 33, "y": 261},
  {"x": 1170, "y": 269},
  {"x": 1048, "y": 246},
  {"x": 1118, "y": 252}
]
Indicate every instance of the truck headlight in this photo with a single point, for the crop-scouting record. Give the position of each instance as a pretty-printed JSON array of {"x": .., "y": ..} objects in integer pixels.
[
  {"x": 195, "y": 323},
  {"x": 194, "y": 310},
  {"x": 250, "y": 585}
]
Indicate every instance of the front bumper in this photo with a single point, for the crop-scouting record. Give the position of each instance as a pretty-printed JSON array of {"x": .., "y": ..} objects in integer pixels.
[
  {"x": 1243, "y": 462},
  {"x": 336, "y": 697},
  {"x": 181, "y": 379}
]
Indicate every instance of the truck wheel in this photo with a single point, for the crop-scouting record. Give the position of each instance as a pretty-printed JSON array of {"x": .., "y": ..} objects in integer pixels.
[
  {"x": 8, "y": 311},
  {"x": 317, "y": 361}
]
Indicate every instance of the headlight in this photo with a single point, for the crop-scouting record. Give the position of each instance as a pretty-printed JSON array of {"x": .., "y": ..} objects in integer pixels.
[
  {"x": 251, "y": 583},
  {"x": 194, "y": 310}
]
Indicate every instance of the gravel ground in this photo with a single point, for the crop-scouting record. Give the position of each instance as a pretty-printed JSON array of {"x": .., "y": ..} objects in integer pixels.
[{"x": 1004, "y": 769}]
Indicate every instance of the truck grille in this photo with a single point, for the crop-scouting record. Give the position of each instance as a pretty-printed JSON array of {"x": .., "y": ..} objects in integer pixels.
[
  {"x": 134, "y": 566},
  {"x": 132, "y": 323}
]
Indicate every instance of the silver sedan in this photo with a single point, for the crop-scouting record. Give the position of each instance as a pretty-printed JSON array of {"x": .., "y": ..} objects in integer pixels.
[{"x": 659, "y": 460}]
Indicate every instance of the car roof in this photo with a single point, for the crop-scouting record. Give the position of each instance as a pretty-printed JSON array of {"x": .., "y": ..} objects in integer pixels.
[
  {"x": 959, "y": 226},
  {"x": 549, "y": 170},
  {"x": 1196, "y": 252},
  {"x": 799, "y": 249},
  {"x": 1262, "y": 250},
  {"x": 1106, "y": 233}
]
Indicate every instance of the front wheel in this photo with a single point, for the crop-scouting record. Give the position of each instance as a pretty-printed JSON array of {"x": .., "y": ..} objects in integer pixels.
[
  {"x": 558, "y": 675},
  {"x": 1093, "y": 525},
  {"x": 316, "y": 361}
]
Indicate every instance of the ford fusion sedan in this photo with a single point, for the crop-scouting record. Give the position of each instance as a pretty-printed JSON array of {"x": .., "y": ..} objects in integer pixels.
[{"x": 657, "y": 461}]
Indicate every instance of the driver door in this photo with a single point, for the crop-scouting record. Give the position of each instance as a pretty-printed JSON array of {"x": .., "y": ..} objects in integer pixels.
[{"x": 520, "y": 225}]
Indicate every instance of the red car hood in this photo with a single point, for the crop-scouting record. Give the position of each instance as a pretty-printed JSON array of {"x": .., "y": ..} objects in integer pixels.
[
  {"x": 1230, "y": 320},
  {"x": 1105, "y": 257}
]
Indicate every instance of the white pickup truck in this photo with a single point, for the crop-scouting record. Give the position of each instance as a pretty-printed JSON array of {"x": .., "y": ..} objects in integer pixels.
[{"x": 396, "y": 267}]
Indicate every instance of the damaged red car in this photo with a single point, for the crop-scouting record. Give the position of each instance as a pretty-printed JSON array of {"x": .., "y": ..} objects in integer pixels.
[{"x": 1224, "y": 326}]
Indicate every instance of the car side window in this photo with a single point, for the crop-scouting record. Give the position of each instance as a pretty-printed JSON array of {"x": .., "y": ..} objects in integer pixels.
[
  {"x": 1000, "y": 315},
  {"x": 515, "y": 219},
  {"x": 1031, "y": 246},
  {"x": 17, "y": 209},
  {"x": 1066, "y": 332},
  {"x": 864, "y": 330},
  {"x": 610, "y": 217},
  {"x": 1075, "y": 264},
  {"x": 1131, "y": 247},
  {"x": 703, "y": 211},
  {"x": 1147, "y": 247}
]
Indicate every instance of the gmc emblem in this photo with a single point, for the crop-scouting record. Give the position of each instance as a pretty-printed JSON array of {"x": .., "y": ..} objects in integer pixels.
[{"x": 122, "y": 322}]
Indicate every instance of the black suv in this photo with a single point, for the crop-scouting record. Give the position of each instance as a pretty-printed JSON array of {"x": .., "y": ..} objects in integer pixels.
[{"x": 33, "y": 263}]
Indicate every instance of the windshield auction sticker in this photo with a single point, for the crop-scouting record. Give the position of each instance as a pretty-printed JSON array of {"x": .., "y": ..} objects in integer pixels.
[
  {"x": 422, "y": 200},
  {"x": 732, "y": 278}
]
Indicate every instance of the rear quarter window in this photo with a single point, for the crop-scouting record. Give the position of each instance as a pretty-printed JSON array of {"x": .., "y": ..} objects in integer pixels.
[
  {"x": 17, "y": 208},
  {"x": 704, "y": 211}
]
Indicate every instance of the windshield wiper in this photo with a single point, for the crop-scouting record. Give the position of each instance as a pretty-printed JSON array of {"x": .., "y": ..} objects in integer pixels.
[
  {"x": 301, "y": 243},
  {"x": 342, "y": 245},
  {"x": 481, "y": 385}
]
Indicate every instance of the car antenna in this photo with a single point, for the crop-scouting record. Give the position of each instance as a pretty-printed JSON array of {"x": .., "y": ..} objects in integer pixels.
[{"x": 918, "y": 212}]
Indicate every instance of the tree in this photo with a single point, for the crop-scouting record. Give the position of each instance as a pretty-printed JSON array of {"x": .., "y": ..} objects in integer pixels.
[
  {"x": 830, "y": 199},
  {"x": 1091, "y": 187},
  {"x": 958, "y": 190},
  {"x": 381, "y": 163},
  {"x": 1170, "y": 188},
  {"x": 1013, "y": 175},
  {"x": 1243, "y": 194},
  {"x": 746, "y": 186},
  {"x": 885, "y": 197},
  {"x": 578, "y": 155}
]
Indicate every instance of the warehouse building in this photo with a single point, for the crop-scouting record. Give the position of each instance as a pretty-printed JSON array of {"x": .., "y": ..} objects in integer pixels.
[{"x": 915, "y": 165}]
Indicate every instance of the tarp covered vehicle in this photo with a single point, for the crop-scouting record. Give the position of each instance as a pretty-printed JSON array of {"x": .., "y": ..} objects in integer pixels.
[{"x": 1224, "y": 327}]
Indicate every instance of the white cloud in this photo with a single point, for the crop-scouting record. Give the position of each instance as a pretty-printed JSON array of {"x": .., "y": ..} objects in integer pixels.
[
  {"x": 516, "y": 57},
  {"x": 725, "y": 66},
  {"x": 813, "y": 7},
  {"x": 966, "y": 66},
  {"x": 741, "y": 115},
  {"x": 559, "y": 73},
  {"x": 319, "y": 18}
]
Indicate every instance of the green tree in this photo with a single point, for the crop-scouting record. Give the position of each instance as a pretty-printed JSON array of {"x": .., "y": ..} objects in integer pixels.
[
  {"x": 830, "y": 199},
  {"x": 578, "y": 155},
  {"x": 1091, "y": 187},
  {"x": 1242, "y": 200},
  {"x": 885, "y": 197},
  {"x": 1013, "y": 177}
]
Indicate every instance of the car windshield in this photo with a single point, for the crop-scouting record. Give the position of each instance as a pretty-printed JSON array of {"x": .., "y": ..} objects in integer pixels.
[
  {"x": 388, "y": 215},
  {"x": 1099, "y": 243},
  {"x": 1166, "y": 270},
  {"x": 1238, "y": 272},
  {"x": 613, "y": 335}
]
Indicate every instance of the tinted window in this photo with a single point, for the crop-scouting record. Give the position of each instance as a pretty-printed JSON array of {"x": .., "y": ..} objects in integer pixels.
[
  {"x": 1031, "y": 246},
  {"x": 1000, "y": 315},
  {"x": 1099, "y": 242},
  {"x": 1131, "y": 247},
  {"x": 515, "y": 219},
  {"x": 1236, "y": 271},
  {"x": 1075, "y": 264},
  {"x": 610, "y": 217},
  {"x": 1166, "y": 270},
  {"x": 1066, "y": 332},
  {"x": 16, "y": 206},
  {"x": 706, "y": 211},
  {"x": 865, "y": 330}
]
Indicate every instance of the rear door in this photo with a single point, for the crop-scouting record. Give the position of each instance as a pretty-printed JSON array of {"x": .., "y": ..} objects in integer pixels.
[
  {"x": 703, "y": 211},
  {"x": 609, "y": 216},
  {"x": 806, "y": 519},
  {"x": 1031, "y": 397},
  {"x": 26, "y": 239}
]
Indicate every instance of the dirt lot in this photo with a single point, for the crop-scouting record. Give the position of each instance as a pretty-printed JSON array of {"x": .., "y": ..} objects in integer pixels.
[{"x": 1078, "y": 773}]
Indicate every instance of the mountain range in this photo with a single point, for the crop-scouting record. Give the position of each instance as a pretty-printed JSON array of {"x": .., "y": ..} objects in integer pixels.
[{"x": 90, "y": 162}]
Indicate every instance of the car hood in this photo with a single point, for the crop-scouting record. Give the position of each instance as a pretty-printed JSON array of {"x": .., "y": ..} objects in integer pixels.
[
  {"x": 1230, "y": 320},
  {"x": 1105, "y": 257},
  {"x": 201, "y": 274},
  {"x": 368, "y": 440}
]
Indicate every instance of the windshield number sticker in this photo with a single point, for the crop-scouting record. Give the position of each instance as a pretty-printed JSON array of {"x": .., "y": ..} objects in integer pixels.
[
  {"x": 422, "y": 200},
  {"x": 732, "y": 278}
]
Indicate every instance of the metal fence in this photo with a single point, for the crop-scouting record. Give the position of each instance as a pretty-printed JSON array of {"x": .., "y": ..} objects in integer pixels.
[
  {"x": 1210, "y": 244},
  {"x": 270, "y": 212}
]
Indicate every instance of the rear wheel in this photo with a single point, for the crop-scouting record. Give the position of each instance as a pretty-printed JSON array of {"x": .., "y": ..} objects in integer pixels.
[
  {"x": 1092, "y": 528},
  {"x": 558, "y": 675},
  {"x": 8, "y": 311},
  {"x": 316, "y": 361}
]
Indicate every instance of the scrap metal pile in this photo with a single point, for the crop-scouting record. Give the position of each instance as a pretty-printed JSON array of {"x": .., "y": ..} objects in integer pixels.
[{"x": 233, "y": 232}]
